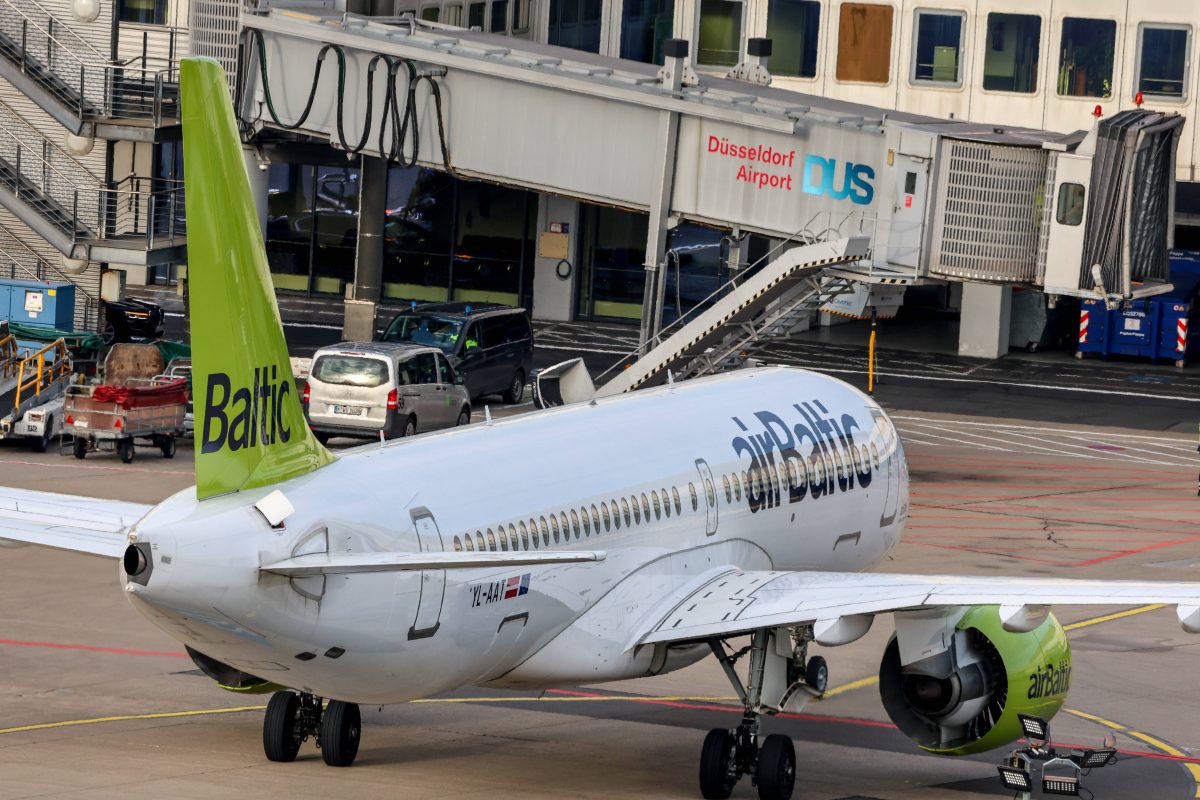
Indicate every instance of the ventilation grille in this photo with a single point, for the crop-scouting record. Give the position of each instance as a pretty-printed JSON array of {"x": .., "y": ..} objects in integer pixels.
[
  {"x": 215, "y": 27},
  {"x": 1048, "y": 200},
  {"x": 989, "y": 211}
]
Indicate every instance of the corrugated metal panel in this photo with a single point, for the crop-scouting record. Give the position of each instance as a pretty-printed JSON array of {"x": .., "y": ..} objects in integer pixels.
[
  {"x": 1047, "y": 216},
  {"x": 215, "y": 26},
  {"x": 988, "y": 212}
]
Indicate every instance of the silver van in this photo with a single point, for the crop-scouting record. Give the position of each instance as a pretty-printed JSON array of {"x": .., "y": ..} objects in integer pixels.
[{"x": 361, "y": 388}]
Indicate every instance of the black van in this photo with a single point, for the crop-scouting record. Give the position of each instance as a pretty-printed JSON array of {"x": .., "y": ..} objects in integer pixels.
[{"x": 489, "y": 344}]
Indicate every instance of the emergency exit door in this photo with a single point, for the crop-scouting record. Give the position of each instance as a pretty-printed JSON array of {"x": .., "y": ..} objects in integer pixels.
[
  {"x": 908, "y": 217},
  {"x": 433, "y": 581}
]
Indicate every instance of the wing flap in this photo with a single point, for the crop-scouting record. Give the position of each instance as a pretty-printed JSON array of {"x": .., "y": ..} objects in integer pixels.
[
  {"x": 339, "y": 563},
  {"x": 67, "y": 522},
  {"x": 738, "y": 602}
]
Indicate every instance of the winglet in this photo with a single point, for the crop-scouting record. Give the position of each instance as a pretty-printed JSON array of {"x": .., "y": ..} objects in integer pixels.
[{"x": 252, "y": 430}]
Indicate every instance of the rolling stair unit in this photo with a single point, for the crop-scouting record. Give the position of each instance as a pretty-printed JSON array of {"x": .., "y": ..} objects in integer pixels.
[
  {"x": 765, "y": 305},
  {"x": 29, "y": 381}
]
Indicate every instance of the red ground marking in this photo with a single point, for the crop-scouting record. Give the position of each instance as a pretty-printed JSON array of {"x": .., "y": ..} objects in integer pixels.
[
  {"x": 978, "y": 550},
  {"x": 1123, "y": 467},
  {"x": 122, "y": 651},
  {"x": 1025, "y": 529},
  {"x": 1021, "y": 496},
  {"x": 1190, "y": 521},
  {"x": 1053, "y": 486},
  {"x": 1138, "y": 550},
  {"x": 1024, "y": 548}
]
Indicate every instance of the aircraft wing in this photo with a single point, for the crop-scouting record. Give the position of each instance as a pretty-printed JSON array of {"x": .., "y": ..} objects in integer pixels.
[
  {"x": 68, "y": 522},
  {"x": 737, "y": 602},
  {"x": 338, "y": 563}
]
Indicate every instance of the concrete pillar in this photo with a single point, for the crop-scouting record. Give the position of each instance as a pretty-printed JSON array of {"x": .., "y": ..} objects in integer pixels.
[
  {"x": 555, "y": 271},
  {"x": 363, "y": 295},
  {"x": 983, "y": 326},
  {"x": 260, "y": 183}
]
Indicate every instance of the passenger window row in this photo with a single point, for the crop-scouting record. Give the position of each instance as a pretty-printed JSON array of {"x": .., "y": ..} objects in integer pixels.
[
  {"x": 794, "y": 472},
  {"x": 561, "y": 528}
]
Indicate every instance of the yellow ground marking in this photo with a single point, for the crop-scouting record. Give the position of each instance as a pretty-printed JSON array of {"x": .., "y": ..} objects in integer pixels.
[
  {"x": 1155, "y": 744},
  {"x": 576, "y": 699},
  {"x": 849, "y": 687},
  {"x": 1092, "y": 717},
  {"x": 1110, "y": 617},
  {"x": 125, "y": 717}
]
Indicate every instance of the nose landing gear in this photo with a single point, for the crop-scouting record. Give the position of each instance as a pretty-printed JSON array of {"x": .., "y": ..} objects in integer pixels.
[{"x": 292, "y": 718}]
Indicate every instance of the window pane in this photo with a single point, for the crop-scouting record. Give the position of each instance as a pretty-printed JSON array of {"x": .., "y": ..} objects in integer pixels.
[
  {"x": 521, "y": 16},
  {"x": 1070, "y": 205},
  {"x": 1085, "y": 65},
  {"x": 475, "y": 12},
  {"x": 939, "y": 40},
  {"x": 1010, "y": 59},
  {"x": 430, "y": 13},
  {"x": 792, "y": 27},
  {"x": 499, "y": 16},
  {"x": 575, "y": 23},
  {"x": 720, "y": 33},
  {"x": 1163, "y": 61},
  {"x": 417, "y": 232},
  {"x": 864, "y": 43},
  {"x": 645, "y": 25},
  {"x": 489, "y": 243},
  {"x": 350, "y": 371}
]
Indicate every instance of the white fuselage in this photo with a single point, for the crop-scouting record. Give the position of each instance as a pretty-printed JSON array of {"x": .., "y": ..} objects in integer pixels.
[{"x": 773, "y": 469}]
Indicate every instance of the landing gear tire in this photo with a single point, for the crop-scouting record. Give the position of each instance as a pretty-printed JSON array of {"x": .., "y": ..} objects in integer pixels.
[
  {"x": 79, "y": 447},
  {"x": 281, "y": 739},
  {"x": 42, "y": 443},
  {"x": 816, "y": 674},
  {"x": 341, "y": 729},
  {"x": 514, "y": 393},
  {"x": 125, "y": 450},
  {"x": 776, "y": 772},
  {"x": 718, "y": 774}
]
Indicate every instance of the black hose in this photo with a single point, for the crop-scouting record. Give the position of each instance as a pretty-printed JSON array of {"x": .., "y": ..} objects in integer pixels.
[{"x": 399, "y": 150}]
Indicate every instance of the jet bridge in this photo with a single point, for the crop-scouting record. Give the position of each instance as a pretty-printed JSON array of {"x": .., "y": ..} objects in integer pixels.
[{"x": 948, "y": 200}]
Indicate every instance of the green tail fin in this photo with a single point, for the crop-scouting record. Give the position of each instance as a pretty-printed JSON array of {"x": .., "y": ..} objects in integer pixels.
[{"x": 250, "y": 428}]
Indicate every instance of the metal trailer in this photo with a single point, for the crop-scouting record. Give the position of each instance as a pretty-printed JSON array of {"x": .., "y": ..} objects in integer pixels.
[
  {"x": 1165, "y": 327},
  {"x": 31, "y": 391},
  {"x": 105, "y": 425}
]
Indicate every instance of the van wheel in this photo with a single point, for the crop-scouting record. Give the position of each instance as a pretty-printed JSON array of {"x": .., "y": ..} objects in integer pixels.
[
  {"x": 516, "y": 391},
  {"x": 323, "y": 438},
  {"x": 464, "y": 417},
  {"x": 410, "y": 427}
]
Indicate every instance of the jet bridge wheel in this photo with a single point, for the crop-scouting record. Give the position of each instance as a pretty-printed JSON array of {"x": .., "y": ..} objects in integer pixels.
[
  {"x": 281, "y": 733},
  {"x": 341, "y": 729}
]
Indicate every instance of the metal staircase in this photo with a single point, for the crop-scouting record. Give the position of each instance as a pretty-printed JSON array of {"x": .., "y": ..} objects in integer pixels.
[
  {"x": 19, "y": 260},
  {"x": 85, "y": 91},
  {"x": 132, "y": 222},
  {"x": 741, "y": 319}
]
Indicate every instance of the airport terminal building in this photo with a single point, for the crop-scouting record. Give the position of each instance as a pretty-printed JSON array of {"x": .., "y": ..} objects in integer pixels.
[{"x": 89, "y": 113}]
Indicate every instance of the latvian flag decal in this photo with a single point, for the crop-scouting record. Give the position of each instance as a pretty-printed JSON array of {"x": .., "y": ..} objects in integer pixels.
[{"x": 516, "y": 585}]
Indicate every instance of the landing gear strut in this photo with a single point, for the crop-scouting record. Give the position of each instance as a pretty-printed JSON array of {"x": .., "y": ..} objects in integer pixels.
[
  {"x": 292, "y": 718},
  {"x": 770, "y": 761}
]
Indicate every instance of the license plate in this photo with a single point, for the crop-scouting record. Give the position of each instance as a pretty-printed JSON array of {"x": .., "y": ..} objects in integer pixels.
[
  {"x": 81, "y": 423},
  {"x": 353, "y": 411}
]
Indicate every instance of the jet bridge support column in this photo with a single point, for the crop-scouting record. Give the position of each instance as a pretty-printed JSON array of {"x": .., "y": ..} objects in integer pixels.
[
  {"x": 666, "y": 141},
  {"x": 984, "y": 320},
  {"x": 359, "y": 321}
]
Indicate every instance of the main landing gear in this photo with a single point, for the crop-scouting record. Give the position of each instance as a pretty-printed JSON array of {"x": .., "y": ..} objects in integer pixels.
[
  {"x": 775, "y": 682},
  {"x": 292, "y": 718}
]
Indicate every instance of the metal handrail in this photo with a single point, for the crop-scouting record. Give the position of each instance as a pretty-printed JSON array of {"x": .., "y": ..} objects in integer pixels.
[
  {"x": 104, "y": 86},
  {"x": 806, "y": 234},
  {"x": 47, "y": 374}
]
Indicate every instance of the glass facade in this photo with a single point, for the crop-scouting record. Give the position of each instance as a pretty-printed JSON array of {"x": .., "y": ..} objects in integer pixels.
[
  {"x": 1085, "y": 66},
  {"x": 864, "y": 43},
  {"x": 613, "y": 252},
  {"x": 1162, "y": 61},
  {"x": 645, "y": 25},
  {"x": 938, "y": 50},
  {"x": 443, "y": 239},
  {"x": 792, "y": 27},
  {"x": 576, "y": 24},
  {"x": 1010, "y": 59},
  {"x": 720, "y": 39}
]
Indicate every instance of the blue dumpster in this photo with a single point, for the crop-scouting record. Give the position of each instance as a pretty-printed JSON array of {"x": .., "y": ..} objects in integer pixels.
[{"x": 1163, "y": 327}]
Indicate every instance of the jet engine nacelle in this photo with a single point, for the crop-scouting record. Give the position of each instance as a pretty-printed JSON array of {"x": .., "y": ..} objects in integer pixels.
[{"x": 962, "y": 695}]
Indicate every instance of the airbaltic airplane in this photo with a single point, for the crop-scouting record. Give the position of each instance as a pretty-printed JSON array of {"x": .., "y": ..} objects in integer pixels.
[{"x": 636, "y": 535}]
